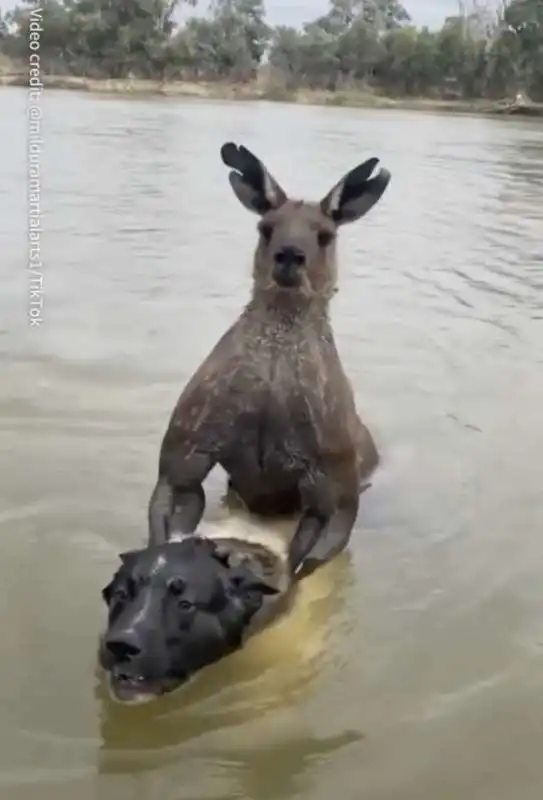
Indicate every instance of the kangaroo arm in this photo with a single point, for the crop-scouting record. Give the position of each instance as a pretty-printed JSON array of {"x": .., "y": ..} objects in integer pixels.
[
  {"x": 324, "y": 529},
  {"x": 191, "y": 446},
  {"x": 178, "y": 501}
]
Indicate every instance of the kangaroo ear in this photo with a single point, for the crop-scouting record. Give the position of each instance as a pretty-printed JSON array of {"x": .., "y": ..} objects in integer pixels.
[
  {"x": 355, "y": 193},
  {"x": 253, "y": 185}
]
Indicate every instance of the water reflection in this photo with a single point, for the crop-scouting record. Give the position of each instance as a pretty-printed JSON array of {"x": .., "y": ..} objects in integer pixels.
[{"x": 260, "y": 771}]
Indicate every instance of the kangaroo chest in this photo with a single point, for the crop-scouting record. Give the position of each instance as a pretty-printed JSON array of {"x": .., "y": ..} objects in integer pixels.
[{"x": 282, "y": 416}]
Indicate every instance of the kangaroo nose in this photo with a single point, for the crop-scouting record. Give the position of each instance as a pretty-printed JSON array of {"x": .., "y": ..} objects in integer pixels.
[
  {"x": 289, "y": 256},
  {"x": 286, "y": 270},
  {"x": 124, "y": 645}
]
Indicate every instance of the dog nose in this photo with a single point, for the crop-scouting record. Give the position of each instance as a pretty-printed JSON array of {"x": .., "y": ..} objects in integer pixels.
[
  {"x": 289, "y": 256},
  {"x": 124, "y": 645}
]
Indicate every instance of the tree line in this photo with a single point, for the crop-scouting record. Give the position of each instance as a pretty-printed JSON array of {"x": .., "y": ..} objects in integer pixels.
[{"x": 357, "y": 44}]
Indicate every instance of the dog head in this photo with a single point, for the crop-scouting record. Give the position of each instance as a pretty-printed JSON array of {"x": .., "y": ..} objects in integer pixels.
[{"x": 173, "y": 609}]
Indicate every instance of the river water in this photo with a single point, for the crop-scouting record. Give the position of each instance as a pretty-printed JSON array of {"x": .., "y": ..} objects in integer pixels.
[{"x": 417, "y": 672}]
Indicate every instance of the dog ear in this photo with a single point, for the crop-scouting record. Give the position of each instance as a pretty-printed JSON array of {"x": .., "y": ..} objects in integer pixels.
[
  {"x": 232, "y": 559},
  {"x": 129, "y": 558},
  {"x": 263, "y": 587},
  {"x": 255, "y": 188},
  {"x": 244, "y": 580},
  {"x": 222, "y": 555},
  {"x": 107, "y": 592},
  {"x": 357, "y": 192}
]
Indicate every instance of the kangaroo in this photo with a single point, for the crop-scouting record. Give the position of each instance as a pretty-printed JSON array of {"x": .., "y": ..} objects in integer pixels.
[{"x": 271, "y": 404}]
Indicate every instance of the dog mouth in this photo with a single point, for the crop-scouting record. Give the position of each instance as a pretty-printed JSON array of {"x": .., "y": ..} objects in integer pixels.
[{"x": 130, "y": 687}]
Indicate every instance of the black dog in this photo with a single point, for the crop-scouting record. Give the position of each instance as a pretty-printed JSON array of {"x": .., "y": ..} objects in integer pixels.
[{"x": 178, "y": 607}]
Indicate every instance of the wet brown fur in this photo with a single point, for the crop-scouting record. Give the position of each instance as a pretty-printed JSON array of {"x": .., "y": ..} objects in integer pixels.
[{"x": 273, "y": 382}]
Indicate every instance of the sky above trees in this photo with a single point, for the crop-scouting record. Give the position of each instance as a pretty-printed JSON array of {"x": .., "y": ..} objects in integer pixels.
[{"x": 294, "y": 12}]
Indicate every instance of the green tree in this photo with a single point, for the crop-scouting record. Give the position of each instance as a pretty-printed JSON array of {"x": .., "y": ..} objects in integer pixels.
[
  {"x": 99, "y": 37},
  {"x": 229, "y": 43},
  {"x": 410, "y": 62},
  {"x": 523, "y": 29},
  {"x": 356, "y": 43},
  {"x": 359, "y": 51},
  {"x": 380, "y": 14},
  {"x": 286, "y": 56}
]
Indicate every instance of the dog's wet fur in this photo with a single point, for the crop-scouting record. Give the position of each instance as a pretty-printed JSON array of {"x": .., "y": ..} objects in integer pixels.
[{"x": 178, "y": 607}]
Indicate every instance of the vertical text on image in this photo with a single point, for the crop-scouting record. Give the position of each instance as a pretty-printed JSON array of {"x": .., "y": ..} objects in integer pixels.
[{"x": 35, "y": 143}]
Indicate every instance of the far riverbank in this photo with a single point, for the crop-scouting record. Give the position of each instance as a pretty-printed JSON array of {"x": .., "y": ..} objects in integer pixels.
[{"x": 257, "y": 91}]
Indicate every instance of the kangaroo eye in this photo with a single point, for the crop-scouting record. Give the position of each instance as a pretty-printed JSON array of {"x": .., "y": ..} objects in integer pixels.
[
  {"x": 266, "y": 231},
  {"x": 324, "y": 238}
]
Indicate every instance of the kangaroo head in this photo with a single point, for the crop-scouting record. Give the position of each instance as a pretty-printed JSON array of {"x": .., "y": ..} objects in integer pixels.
[{"x": 296, "y": 249}]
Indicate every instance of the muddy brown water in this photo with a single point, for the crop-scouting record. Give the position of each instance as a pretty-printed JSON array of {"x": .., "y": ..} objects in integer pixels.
[{"x": 417, "y": 672}]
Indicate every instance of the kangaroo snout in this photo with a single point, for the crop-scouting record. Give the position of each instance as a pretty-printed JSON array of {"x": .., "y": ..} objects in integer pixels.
[{"x": 288, "y": 263}]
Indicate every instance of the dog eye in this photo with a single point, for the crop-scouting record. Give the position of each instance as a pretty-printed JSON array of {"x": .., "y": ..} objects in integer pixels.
[
  {"x": 177, "y": 587},
  {"x": 185, "y": 605},
  {"x": 124, "y": 591},
  {"x": 121, "y": 594},
  {"x": 266, "y": 231},
  {"x": 324, "y": 238}
]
